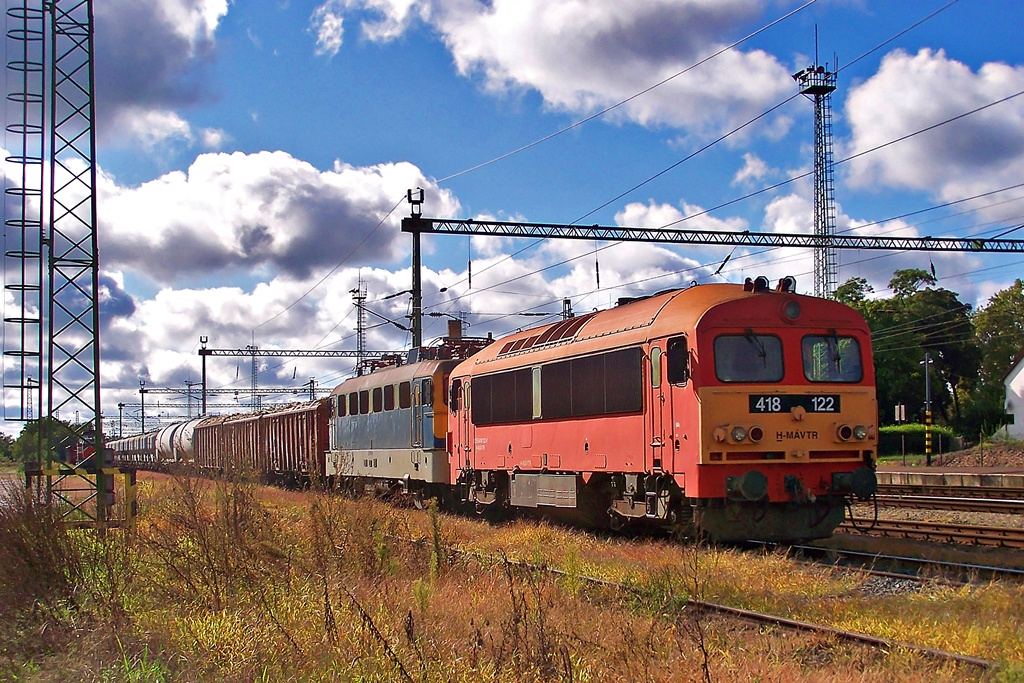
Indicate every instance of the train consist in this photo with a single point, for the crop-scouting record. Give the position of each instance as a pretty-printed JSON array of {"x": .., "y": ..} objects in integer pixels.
[{"x": 740, "y": 412}]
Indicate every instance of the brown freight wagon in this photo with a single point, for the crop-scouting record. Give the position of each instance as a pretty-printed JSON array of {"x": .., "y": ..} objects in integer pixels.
[{"x": 286, "y": 445}]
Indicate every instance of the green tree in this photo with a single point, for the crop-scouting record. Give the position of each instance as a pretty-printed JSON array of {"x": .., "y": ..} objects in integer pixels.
[
  {"x": 1000, "y": 325},
  {"x": 918, "y": 318},
  {"x": 1000, "y": 330},
  {"x": 58, "y": 434},
  {"x": 6, "y": 444}
]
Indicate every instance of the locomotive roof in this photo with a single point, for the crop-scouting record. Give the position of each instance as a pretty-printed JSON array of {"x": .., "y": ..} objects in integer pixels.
[
  {"x": 391, "y": 375},
  {"x": 663, "y": 314}
]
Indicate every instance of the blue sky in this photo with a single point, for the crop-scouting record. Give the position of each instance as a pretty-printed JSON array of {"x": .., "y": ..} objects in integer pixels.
[{"x": 249, "y": 150}]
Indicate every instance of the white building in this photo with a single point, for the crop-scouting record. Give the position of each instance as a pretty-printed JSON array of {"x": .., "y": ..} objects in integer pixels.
[{"x": 1014, "y": 383}]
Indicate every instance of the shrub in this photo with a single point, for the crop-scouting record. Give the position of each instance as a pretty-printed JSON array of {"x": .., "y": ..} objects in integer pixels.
[{"x": 893, "y": 439}]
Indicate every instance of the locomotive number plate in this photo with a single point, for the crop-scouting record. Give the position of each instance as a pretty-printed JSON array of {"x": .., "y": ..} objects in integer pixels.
[{"x": 776, "y": 403}]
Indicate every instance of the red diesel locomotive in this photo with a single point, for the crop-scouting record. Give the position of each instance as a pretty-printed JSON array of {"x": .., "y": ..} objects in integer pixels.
[{"x": 734, "y": 411}]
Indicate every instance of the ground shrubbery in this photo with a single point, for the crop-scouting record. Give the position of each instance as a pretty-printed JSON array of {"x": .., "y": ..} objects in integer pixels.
[{"x": 224, "y": 581}]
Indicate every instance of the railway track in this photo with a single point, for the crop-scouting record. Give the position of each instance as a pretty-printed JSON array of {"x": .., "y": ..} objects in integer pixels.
[
  {"x": 963, "y": 504},
  {"x": 744, "y": 614},
  {"x": 965, "y": 534},
  {"x": 972, "y": 492},
  {"x": 903, "y": 566}
]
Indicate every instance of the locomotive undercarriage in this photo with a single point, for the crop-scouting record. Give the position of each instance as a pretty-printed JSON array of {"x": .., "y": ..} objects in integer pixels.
[
  {"x": 620, "y": 500},
  {"x": 606, "y": 501}
]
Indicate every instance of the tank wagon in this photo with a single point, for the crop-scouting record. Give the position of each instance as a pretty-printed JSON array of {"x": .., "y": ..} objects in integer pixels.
[{"x": 740, "y": 412}]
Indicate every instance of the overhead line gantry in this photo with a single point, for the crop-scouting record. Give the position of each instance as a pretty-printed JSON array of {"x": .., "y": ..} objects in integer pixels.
[{"x": 417, "y": 225}]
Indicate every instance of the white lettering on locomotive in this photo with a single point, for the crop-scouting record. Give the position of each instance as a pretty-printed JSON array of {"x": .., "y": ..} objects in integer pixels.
[{"x": 798, "y": 434}]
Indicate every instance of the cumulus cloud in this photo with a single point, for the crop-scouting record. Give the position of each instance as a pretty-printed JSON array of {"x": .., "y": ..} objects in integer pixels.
[
  {"x": 794, "y": 214},
  {"x": 582, "y": 57},
  {"x": 266, "y": 211},
  {"x": 150, "y": 61},
  {"x": 754, "y": 169},
  {"x": 910, "y": 92}
]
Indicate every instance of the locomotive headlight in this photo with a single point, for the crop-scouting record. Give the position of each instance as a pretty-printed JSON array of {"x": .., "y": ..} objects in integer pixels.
[
  {"x": 844, "y": 432},
  {"x": 860, "y": 432},
  {"x": 738, "y": 433},
  {"x": 791, "y": 309},
  {"x": 756, "y": 434}
]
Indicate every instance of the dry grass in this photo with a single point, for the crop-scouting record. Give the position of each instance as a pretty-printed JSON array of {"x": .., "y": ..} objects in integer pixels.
[{"x": 224, "y": 581}]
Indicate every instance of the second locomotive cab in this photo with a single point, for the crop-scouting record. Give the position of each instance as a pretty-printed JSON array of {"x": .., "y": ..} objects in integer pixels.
[{"x": 735, "y": 411}]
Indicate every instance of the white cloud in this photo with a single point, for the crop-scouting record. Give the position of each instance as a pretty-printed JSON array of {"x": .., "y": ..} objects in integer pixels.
[
  {"x": 754, "y": 168},
  {"x": 329, "y": 27},
  {"x": 234, "y": 213},
  {"x": 582, "y": 57},
  {"x": 976, "y": 154},
  {"x": 150, "y": 58}
]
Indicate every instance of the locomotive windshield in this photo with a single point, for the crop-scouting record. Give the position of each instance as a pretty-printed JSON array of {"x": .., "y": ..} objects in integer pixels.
[
  {"x": 748, "y": 357},
  {"x": 831, "y": 358}
]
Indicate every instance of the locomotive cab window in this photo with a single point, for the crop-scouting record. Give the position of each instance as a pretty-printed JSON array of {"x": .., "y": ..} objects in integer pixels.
[
  {"x": 831, "y": 358},
  {"x": 748, "y": 357},
  {"x": 428, "y": 392},
  {"x": 341, "y": 406},
  {"x": 453, "y": 396},
  {"x": 678, "y": 361}
]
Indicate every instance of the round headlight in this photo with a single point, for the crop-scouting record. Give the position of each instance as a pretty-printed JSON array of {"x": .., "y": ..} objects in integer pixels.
[
  {"x": 791, "y": 310},
  {"x": 844, "y": 432},
  {"x": 756, "y": 434},
  {"x": 860, "y": 432},
  {"x": 738, "y": 433}
]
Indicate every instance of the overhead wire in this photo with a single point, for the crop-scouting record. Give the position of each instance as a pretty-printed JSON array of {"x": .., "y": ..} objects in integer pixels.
[{"x": 780, "y": 184}]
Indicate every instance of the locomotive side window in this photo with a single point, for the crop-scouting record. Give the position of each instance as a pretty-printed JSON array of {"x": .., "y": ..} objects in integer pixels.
[
  {"x": 656, "y": 367},
  {"x": 678, "y": 361},
  {"x": 604, "y": 384},
  {"x": 623, "y": 387},
  {"x": 504, "y": 397},
  {"x": 341, "y": 406},
  {"x": 831, "y": 358},
  {"x": 378, "y": 399},
  {"x": 428, "y": 392},
  {"x": 353, "y": 403},
  {"x": 404, "y": 395},
  {"x": 453, "y": 396},
  {"x": 364, "y": 402},
  {"x": 389, "y": 397},
  {"x": 748, "y": 357}
]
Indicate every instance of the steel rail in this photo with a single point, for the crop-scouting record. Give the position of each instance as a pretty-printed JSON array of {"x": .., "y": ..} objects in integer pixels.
[
  {"x": 1001, "y": 492},
  {"x": 867, "y": 562},
  {"x": 964, "y": 534},
  {"x": 740, "y": 613},
  {"x": 996, "y": 506}
]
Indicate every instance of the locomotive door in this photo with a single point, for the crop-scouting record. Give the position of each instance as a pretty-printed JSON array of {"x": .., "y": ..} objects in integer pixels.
[
  {"x": 417, "y": 415},
  {"x": 659, "y": 410},
  {"x": 466, "y": 432}
]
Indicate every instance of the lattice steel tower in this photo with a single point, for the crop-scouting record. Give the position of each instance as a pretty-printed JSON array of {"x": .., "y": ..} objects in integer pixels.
[
  {"x": 817, "y": 83},
  {"x": 55, "y": 222},
  {"x": 23, "y": 249},
  {"x": 359, "y": 299}
]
